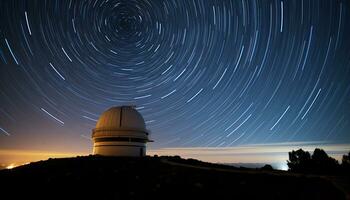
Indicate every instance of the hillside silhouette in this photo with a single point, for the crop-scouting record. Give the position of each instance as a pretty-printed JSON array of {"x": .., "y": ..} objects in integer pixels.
[{"x": 97, "y": 177}]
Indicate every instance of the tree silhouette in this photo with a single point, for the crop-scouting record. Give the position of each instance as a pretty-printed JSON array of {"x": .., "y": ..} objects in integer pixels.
[
  {"x": 322, "y": 163},
  {"x": 319, "y": 163},
  {"x": 299, "y": 161},
  {"x": 345, "y": 165},
  {"x": 346, "y": 160}
]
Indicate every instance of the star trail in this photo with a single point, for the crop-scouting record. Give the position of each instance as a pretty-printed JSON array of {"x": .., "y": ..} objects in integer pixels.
[{"x": 202, "y": 73}]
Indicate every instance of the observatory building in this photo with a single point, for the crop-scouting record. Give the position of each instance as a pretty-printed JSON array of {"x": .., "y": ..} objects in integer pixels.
[{"x": 120, "y": 131}]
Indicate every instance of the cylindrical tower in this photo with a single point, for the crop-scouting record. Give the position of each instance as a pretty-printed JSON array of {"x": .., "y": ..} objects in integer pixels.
[{"x": 120, "y": 131}]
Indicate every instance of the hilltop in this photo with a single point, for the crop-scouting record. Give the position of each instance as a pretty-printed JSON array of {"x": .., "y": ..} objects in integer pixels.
[{"x": 97, "y": 177}]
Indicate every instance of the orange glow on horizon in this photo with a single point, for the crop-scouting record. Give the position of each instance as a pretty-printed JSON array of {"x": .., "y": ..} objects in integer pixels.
[
  {"x": 11, "y": 166},
  {"x": 10, "y": 158},
  {"x": 266, "y": 153}
]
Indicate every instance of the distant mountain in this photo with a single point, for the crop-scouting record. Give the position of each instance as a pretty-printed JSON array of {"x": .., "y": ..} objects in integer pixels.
[
  {"x": 97, "y": 177},
  {"x": 246, "y": 165}
]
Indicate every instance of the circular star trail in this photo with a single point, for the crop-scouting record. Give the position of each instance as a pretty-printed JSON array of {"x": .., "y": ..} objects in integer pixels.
[{"x": 203, "y": 73}]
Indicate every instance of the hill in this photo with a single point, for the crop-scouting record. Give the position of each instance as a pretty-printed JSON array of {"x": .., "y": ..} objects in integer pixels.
[{"x": 97, "y": 177}]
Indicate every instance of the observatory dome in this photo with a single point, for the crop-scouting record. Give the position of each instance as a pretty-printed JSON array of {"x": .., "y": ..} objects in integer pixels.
[
  {"x": 120, "y": 131},
  {"x": 123, "y": 117}
]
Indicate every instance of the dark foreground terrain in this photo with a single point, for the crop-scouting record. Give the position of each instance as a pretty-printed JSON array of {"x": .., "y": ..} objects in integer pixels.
[{"x": 95, "y": 177}]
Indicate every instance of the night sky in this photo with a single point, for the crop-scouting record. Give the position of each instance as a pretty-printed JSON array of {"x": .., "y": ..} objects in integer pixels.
[{"x": 203, "y": 73}]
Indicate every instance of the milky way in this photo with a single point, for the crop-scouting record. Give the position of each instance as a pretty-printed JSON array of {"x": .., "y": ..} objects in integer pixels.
[{"x": 202, "y": 73}]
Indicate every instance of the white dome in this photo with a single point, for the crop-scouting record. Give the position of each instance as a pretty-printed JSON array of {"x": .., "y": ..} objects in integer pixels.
[
  {"x": 121, "y": 118},
  {"x": 120, "y": 131}
]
